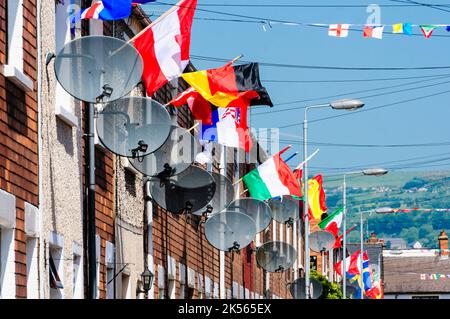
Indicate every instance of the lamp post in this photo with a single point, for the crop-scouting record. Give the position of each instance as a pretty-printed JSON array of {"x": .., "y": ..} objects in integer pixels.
[
  {"x": 381, "y": 210},
  {"x": 367, "y": 172},
  {"x": 345, "y": 104},
  {"x": 147, "y": 280}
]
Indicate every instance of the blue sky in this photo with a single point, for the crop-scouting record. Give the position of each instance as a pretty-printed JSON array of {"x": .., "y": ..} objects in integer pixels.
[{"x": 421, "y": 121}]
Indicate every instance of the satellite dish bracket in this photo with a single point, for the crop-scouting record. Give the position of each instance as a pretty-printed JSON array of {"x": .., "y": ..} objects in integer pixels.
[
  {"x": 290, "y": 222},
  {"x": 279, "y": 269},
  {"x": 188, "y": 207},
  {"x": 107, "y": 91},
  {"x": 235, "y": 247},
  {"x": 142, "y": 147}
]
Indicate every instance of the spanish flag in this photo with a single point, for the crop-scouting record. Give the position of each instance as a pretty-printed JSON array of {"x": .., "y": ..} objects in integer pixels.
[
  {"x": 316, "y": 198},
  {"x": 230, "y": 86}
]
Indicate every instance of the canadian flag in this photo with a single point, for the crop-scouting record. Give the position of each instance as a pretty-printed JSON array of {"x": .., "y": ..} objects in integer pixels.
[
  {"x": 338, "y": 30},
  {"x": 164, "y": 45}
]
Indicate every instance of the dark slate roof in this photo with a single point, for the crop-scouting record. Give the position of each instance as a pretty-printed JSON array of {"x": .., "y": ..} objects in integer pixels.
[{"x": 402, "y": 274}]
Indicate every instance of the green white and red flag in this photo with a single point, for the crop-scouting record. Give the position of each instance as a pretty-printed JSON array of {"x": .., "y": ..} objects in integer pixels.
[{"x": 332, "y": 223}]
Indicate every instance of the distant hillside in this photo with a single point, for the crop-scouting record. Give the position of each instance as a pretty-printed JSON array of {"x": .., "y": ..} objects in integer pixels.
[{"x": 396, "y": 190}]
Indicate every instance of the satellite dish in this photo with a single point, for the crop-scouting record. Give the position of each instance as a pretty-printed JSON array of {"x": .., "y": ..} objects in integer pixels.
[
  {"x": 297, "y": 288},
  {"x": 133, "y": 126},
  {"x": 229, "y": 230},
  {"x": 190, "y": 190},
  {"x": 98, "y": 68},
  {"x": 285, "y": 209},
  {"x": 222, "y": 197},
  {"x": 351, "y": 289},
  {"x": 276, "y": 256},
  {"x": 321, "y": 241},
  {"x": 173, "y": 157},
  {"x": 258, "y": 210}
]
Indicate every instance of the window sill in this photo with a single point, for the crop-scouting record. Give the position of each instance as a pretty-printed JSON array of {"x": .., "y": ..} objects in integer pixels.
[
  {"x": 66, "y": 116},
  {"x": 127, "y": 165},
  {"x": 18, "y": 78}
]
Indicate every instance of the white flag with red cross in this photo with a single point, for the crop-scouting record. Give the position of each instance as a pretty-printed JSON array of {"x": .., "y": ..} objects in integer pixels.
[{"x": 338, "y": 30}]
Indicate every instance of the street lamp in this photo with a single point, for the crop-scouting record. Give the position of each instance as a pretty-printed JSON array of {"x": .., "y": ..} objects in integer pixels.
[
  {"x": 345, "y": 104},
  {"x": 147, "y": 279},
  {"x": 366, "y": 172}
]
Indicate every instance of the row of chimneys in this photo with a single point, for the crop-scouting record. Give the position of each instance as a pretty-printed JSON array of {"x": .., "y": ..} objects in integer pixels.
[{"x": 443, "y": 242}]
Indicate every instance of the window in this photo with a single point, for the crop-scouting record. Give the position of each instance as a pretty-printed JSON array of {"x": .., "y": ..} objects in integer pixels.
[
  {"x": 161, "y": 282},
  {"x": 182, "y": 291},
  {"x": 109, "y": 283},
  {"x": 32, "y": 269},
  {"x": 172, "y": 287},
  {"x": 76, "y": 274},
  {"x": 109, "y": 260},
  {"x": 64, "y": 107},
  {"x": 126, "y": 289},
  {"x": 14, "y": 67},
  {"x": 54, "y": 265}
]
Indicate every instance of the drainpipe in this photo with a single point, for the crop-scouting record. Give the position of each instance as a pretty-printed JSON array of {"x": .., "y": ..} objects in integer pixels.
[
  {"x": 41, "y": 246},
  {"x": 149, "y": 214}
]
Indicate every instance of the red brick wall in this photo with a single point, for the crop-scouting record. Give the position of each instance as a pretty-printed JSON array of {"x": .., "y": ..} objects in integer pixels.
[{"x": 19, "y": 135}]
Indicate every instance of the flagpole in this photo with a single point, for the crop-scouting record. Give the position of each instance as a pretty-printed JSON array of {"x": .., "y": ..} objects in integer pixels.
[
  {"x": 344, "y": 248},
  {"x": 305, "y": 203},
  {"x": 362, "y": 253},
  {"x": 157, "y": 20}
]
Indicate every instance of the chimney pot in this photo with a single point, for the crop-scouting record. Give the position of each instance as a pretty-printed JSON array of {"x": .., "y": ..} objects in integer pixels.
[{"x": 443, "y": 243}]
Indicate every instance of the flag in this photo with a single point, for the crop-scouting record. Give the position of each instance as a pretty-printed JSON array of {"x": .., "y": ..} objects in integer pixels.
[
  {"x": 333, "y": 222},
  {"x": 271, "y": 179},
  {"x": 351, "y": 264},
  {"x": 338, "y": 242},
  {"x": 316, "y": 198},
  {"x": 164, "y": 45},
  {"x": 405, "y": 28},
  {"x": 107, "y": 10},
  {"x": 226, "y": 128},
  {"x": 376, "y": 292},
  {"x": 366, "y": 272},
  {"x": 298, "y": 173},
  {"x": 338, "y": 30},
  {"x": 230, "y": 86},
  {"x": 200, "y": 108},
  {"x": 427, "y": 30},
  {"x": 373, "y": 32}
]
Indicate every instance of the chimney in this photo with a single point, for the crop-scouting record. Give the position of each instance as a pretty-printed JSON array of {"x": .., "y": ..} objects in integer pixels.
[
  {"x": 373, "y": 239},
  {"x": 443, "y": 243}
]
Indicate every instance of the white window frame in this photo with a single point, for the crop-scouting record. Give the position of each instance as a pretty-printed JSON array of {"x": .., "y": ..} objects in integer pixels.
[
  {"x": 208, "y": 287},
  {"x": 56, "y": 249},
  {"x": 7, "y": 254},
  {"x": 64, "y": 103},
  {"x": 32, "y": 233},
  {"x": 13, "y": 70},
  {"x": 161, "y": 282},
  {"x": 77, "y": 272},
  {"x": 109, "y": 261}
]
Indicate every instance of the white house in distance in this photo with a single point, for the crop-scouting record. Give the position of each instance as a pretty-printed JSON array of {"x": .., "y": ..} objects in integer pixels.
[{"x": 417, "y": 273}]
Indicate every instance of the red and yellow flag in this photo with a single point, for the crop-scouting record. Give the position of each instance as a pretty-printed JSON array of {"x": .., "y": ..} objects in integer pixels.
[
  {"x": 230, "y": 86},
  {"x": 316, "y": 198}
]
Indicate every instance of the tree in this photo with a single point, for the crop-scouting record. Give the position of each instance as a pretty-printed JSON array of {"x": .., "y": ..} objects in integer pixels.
[{"x": 330, "y": 289}]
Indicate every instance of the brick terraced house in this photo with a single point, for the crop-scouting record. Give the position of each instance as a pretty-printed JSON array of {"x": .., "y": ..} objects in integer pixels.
[{"x": 43, "y": 180}]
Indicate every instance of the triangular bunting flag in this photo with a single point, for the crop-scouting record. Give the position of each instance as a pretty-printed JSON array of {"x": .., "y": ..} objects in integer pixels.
[{"x": 427, "y": 30}]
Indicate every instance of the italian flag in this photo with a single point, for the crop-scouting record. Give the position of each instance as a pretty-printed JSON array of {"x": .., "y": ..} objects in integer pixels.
[
  {"x": 333, "y": 222},
  {"x": 271, "y": 179}
]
